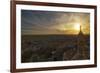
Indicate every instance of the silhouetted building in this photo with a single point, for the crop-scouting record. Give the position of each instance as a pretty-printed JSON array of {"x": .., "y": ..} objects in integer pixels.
[{"x": 82, "y": 45}]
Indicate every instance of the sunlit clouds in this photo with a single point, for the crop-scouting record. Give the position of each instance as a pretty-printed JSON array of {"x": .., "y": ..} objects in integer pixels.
[{"x": 50, "y": 22}]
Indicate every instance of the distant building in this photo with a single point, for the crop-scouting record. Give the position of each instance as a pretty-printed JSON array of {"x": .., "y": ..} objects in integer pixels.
[{"x": 82, "y": 45}]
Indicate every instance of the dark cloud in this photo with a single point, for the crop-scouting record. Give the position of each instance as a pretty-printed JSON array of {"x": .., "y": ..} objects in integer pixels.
[{"x": 34, "y": 22}]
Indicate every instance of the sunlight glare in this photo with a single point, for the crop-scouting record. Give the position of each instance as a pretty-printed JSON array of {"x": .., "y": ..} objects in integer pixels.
[{"x": 77, "y": 26}]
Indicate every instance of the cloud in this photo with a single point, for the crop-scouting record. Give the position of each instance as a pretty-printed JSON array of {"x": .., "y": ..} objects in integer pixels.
[{"x": 36, "y": 22}]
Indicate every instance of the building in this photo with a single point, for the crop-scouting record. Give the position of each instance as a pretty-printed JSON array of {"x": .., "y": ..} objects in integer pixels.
[{"x": 82, "y": 45}]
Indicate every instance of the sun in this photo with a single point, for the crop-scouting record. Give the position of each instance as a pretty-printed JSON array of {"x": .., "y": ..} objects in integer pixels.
[{"x": 77, "y": 26}]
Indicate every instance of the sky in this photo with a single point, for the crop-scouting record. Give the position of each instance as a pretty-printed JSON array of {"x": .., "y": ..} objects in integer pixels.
[{"x": 51, "y": 22}]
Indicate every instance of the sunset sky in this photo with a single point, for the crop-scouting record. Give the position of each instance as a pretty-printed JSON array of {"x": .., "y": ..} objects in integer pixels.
[{"x": 52, "y": 22}]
